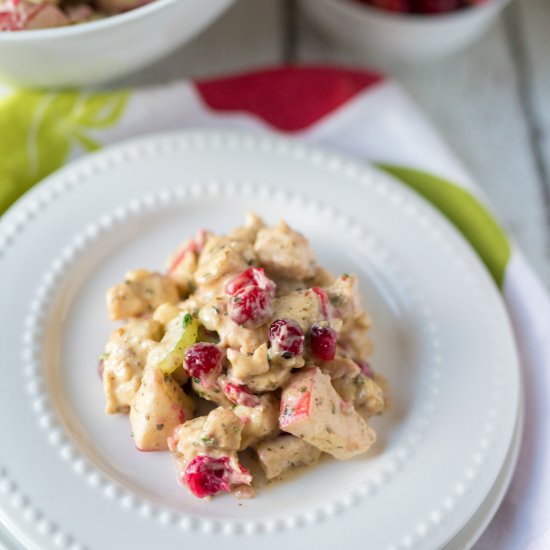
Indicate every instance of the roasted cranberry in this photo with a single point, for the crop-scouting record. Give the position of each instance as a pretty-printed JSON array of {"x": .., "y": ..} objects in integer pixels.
[
  {"x": 390, "y": 5},
  {"x": 239, "y": 394},
  {"x": 435, "y": 6},
  {"x": 322, "y": 341},
  {"x": 250, "y": 307},
  {"x": 286, "y": 337},
  {"x": 207, "y": 476},
  {"x": 203, "y": 359},
  {"x": 253, "y": 276},
  {"x": 366, "y": 369}
]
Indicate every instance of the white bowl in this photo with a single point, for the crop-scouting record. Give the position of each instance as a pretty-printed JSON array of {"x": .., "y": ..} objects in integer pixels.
[
  {"x": 386, "y": 39},
  {"x": 98, "y": 51}
]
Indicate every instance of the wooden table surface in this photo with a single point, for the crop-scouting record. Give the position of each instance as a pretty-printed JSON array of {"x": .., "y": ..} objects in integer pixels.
[{"x": 491, "y": 102}]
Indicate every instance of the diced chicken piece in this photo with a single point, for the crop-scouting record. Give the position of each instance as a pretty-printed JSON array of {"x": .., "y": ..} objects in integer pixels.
[
  {"x": 123, "y": 362},
  {"x": 275, "y": 378},
  {"x": 322, "y": 278},
  {"x": 222, "y": 257},
  {"x": 259, "y": 422},
  {"x": 186, "y": 442},
  {"x": 142, "y": 292},
  {"x": 285, "y": 252},
  {"x": 213, "y": 316},
  {"x": 237, "y": 393},
  {"x": 210, "y": 393},
  {"x": 166, "y": 313},
  {"x": 369, "y": 397},
  {"x": 312, "y": 410},
  {"x": 218, "y": 434},
  {"x": 245, "y": 365},
  {"x": 284, "y": 453},
  {"x": 247, "y": 232},
  {"x": 344, "y": 296},
  {"x": 354, "y": 337},
  {"x": 354, "y": 387},
  {"x": 303, "y": 306},
  {"x": 158, "y": 407},
  {"x": 222, "y": 429}
]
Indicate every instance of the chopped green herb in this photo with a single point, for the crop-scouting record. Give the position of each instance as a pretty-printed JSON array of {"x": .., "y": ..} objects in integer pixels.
[{"x": 187, "y": 318}]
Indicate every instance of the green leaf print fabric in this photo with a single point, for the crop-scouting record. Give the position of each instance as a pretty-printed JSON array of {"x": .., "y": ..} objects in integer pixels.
[{"x": 39, "y": 130}]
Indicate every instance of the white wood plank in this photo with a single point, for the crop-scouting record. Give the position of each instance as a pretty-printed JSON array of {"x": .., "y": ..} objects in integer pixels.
[
  {"x": 531, "y": 19},
  {"x": 472, "y": 98},
  {"x": 248, "y": 35}
]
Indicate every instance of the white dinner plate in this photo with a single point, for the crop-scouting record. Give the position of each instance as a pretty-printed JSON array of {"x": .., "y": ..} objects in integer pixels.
[{"x": 69, "y": 474}]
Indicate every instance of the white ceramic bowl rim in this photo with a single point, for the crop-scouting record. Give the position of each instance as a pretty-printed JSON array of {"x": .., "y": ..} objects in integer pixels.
[
  {"x": 109, "y": 22},
  {"x": 371, "y": 12}
]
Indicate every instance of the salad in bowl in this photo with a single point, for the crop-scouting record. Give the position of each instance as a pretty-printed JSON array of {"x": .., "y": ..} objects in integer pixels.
[{"x": 19, "y": 15}]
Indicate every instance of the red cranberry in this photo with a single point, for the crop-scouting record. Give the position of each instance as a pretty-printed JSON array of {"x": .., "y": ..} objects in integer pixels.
[
  {"x": 203, "y": 359},
  {"x": 435, "y": 6},
  {"x": 250, "y": 307},
  {"x": 253, "y": 276},
  {"x": 322, "y": 341},
  {"x": 240, "y": 394},
  {"x": 207, "y": 476},
  {"x": 366, "y": 369},
  {"x": 286, "y": 337},
  {"x": 389, "y": 5}
]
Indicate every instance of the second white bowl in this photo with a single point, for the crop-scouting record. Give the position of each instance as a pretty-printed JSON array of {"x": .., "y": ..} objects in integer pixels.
[
  {"x": 386, "y": 38},
  {"x": 95, "y": 52}
]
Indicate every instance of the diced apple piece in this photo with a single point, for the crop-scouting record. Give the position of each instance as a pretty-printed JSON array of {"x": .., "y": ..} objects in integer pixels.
[
  {"x": 259, "y": 422},
  {"x": 279, "y": 455},
  {"x": 158, "y": 407},
  {"x": 312, "y": 410},
  {"x": 142, "y": 292},
  {"x": 45, "y": 16}
]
